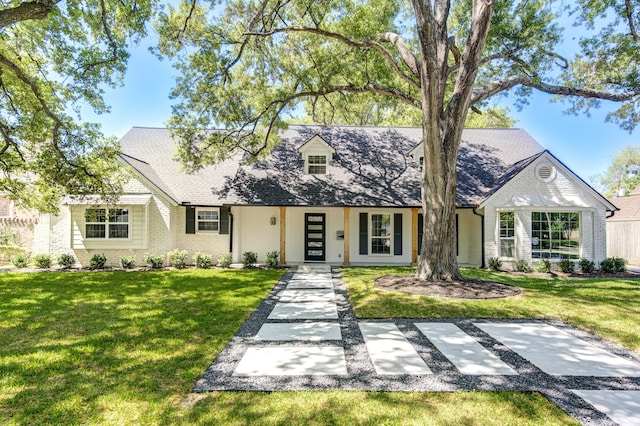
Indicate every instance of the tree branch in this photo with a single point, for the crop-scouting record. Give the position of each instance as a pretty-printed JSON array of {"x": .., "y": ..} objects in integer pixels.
[
  {"x": 525, "y": 80},
  {"x": 366, "y": 44},
  {"x": 403, "y": 50},
  {"x": 26, "y": 11},
  {"x": 629, "y": 12}
]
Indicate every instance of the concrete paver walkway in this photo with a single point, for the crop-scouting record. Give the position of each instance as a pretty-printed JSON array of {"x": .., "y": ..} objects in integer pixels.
[{"x": 305, "y": 336}]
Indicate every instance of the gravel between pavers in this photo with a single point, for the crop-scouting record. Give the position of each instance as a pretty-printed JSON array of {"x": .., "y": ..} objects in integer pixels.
[{"x": 445, "y": 378}]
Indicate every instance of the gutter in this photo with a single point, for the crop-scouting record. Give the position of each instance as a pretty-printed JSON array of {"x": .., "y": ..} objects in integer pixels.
[{"x": 475, "y": 211}]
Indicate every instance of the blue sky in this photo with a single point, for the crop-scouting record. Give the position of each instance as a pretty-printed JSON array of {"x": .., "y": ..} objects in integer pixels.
[{"x": 585, "y": 144}]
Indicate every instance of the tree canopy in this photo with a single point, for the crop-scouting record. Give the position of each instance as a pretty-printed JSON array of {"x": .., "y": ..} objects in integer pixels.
[
  {"x": 623, "y": 174},
  {"x": 56, "y": 58},
  {"x": 248, "y": 65}
]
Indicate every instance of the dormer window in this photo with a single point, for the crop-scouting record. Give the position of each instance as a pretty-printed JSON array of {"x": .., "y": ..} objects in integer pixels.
[
  {"x": 421, "y": 162},
  {"x": 317, "y": 165},
  {"x": 316, "y": 153}
]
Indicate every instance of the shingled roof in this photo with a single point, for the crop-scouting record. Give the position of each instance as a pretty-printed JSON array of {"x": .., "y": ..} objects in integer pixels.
[
  {"x": 371, "y": 167},
  {"x": 629, "y": 207}
]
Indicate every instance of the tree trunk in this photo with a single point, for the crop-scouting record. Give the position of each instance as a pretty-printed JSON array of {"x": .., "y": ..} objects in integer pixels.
[
  {"x": 437, "y": 261},
  {"x": 442, "y": 125}
]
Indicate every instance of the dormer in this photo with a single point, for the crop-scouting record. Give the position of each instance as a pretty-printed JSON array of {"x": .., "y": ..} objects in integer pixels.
[
  {"x": 316, "y": 153},
  {"x": 418, "y": 154}
]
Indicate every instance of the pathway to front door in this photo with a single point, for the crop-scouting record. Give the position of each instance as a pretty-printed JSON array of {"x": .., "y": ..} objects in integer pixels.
[{"x": 305, "y": 336}]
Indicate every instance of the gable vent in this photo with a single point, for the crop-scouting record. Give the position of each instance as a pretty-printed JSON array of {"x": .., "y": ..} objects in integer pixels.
[{"x": 545, "y": 172}]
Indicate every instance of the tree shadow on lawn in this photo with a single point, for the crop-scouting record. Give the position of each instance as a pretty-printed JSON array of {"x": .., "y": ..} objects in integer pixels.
[{"x": 117, "y": 346}]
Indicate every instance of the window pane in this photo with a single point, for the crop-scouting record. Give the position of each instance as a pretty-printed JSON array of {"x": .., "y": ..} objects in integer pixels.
[
  {"x": 95, "y": 231},
  {"x": 381, "y": 234},
  {"x": 558, "y": 234},
  {"x": 507, "y": 248},
  {"x": 317, "y": 159},
  {"x": 207, "y": 215},
  {"x": 118, "y": 231},
  {"x": 95, "y": 215},
  {"x": 119, "y": 215},
  {"x": 207, "y": 226},
  {"x": 317, "y": 170}
]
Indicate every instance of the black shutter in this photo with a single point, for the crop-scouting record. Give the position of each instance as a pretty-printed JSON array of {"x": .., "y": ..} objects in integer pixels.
[
  {"x": 397, "y": 234},
  {"x": 224, "y": 220},
  {"x": 191, "y": 220},
  {"x": 364, "y": 234},
  {"x": 420, "y": 226}
]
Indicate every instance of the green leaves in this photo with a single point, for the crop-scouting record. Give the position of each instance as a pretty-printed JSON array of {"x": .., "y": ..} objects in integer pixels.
[{"x": 51, "y": 69}]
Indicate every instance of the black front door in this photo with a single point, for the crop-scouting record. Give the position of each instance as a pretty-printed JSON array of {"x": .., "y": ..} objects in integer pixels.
[{"x": 314, "y": 236}]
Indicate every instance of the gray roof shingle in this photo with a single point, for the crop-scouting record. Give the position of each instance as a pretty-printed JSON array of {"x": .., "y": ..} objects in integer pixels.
[{"x": 371, "y": 167}]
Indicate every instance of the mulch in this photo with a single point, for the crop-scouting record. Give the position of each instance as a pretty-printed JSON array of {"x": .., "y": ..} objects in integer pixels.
[{"x": 463, "y": 289}]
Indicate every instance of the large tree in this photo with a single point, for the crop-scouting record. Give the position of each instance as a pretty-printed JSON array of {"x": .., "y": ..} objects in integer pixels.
[
  {"x": 56, "y": 58},
  {"x": 246, "y": 65}
]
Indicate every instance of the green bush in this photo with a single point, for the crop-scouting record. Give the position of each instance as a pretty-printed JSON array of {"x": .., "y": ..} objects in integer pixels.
[
  {"x": 66, "y": 260},
  {"x": 20, "y": 260},
  {"x": 249, "y": 259},
  {"x": 567, "y": 266},
  {"x": 587, "y": 266},
  {"x": 224, "y": 260},
  {"x": 272, "y": 259},
  {"x": 178, "y": 258},
  {"x": 544, "y": 266},
  {"x": 42, "y": 261},
  {"x": 202, "y": 261},
  {"x": 153, "y": 261},
  {"x": 522, "y": 266},
  {"x": 613, "y": 265},
  {"x": 495, "y": 263},
  {"x": 128, "y": 262},
  {"x": 98, "y": 261}
]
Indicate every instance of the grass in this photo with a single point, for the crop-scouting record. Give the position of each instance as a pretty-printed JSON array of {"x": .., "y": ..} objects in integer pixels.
[
  {"x": 126, "y": 348},
  {"x": 609, "y": 308}
]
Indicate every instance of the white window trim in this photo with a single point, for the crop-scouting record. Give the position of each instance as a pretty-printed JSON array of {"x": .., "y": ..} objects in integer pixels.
[
  {"x": 207, "y": 209},
  {"x": 308, "y": 165},
  {"x": 106, "y": 224},
  {"x": 500, "y": 238},
  {"x": 371, "y": 237}
]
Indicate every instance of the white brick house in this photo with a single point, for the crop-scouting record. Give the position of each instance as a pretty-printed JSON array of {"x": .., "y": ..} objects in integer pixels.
[{"x": 342, "y": 195}]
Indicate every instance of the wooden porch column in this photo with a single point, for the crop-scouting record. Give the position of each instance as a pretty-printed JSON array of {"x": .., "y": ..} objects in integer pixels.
[
  {"x": 283, "y": 235},
  {"x": 414, "y": 236},
  {"x": 346, "y": 236}
]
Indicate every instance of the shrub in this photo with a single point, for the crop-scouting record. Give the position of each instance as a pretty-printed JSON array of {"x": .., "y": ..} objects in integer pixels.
[
  {"x": 224, "y": 260},
  {"x": 522, "y": 266},
  {"x": 98, "y": 261},
  {"x": 203, "y": 261},
  {"x": 42, "y": 261},
  {"x": 613, "y": 265},
  {"x": 544, "y": 266},
  {"x": 153, "y": 261},
  {"x": 272, "y": 259},
  {"x": 587, "y": 266},
  {"x": 249, "y": 258},
  {"x": 178, "y": 258},
  {"x": 128, "y": 262},
  {"x": 495, "y": 263},
  {"x": 66, "y": 260},
  {"x": 567, "y": 266},
  {"x": 20, "y": 260}
]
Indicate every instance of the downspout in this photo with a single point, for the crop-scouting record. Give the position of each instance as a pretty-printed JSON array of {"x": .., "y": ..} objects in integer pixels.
[
  {"x": 475, "y": 211},
  {"x": 613, "y": 213},
  {"x": 230, "y": 232}
]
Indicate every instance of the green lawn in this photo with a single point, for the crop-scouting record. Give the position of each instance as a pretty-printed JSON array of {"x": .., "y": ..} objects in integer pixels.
[
  {"x": 127, "y": 347},
  {"x": 609, "y": 308}
]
